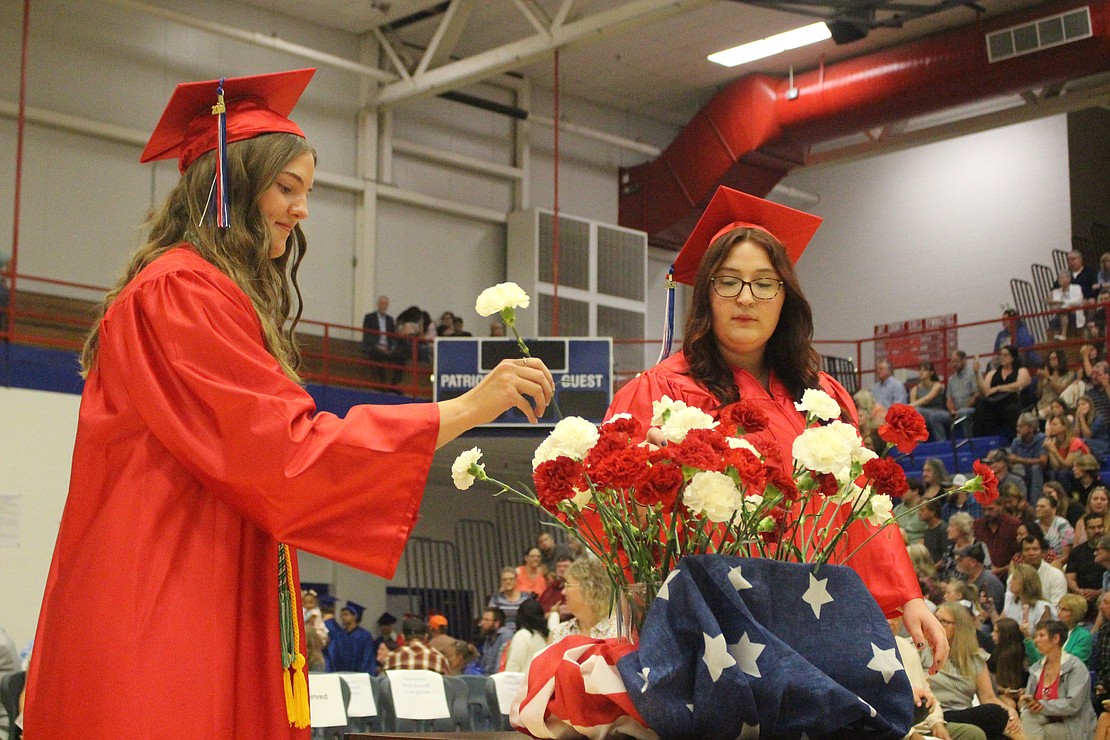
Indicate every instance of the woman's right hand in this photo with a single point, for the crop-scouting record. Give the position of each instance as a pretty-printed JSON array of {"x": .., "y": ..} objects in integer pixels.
[{"x": 509, "y": 385}]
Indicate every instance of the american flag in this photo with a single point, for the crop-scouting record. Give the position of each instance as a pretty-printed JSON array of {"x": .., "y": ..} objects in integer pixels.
[{"x": 732, "y": 648}]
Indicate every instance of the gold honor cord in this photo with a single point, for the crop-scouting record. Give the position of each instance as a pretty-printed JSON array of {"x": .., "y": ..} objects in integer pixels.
[{"x": 296, "y": 688}]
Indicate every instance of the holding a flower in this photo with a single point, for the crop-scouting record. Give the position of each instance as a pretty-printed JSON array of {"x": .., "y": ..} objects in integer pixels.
[{"x": 748, "y": 337}]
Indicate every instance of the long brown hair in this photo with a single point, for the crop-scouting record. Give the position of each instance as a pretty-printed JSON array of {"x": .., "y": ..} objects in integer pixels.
[
  {"x": 241, "y": 252},
  {"x": 790, "y": 353}
]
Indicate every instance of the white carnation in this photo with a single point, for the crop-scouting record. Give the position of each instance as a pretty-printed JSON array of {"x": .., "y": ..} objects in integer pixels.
[
  {"x": 662, "y": 408},
  {"x": 739, "y": 443},
  {"x": 863, "y": 454},
  {"x": 501, "y": 296},
  {"x": 582, "y": 498},
  {"x": 825, "y": 449},
  {"x": 572, "y": 436},
  {"x": 852, "y": 494},
  {"x": 752, "y": 502},
  {"x": 682, "y": 420},
  {"x": 882, "y": 509},
  {"x": 713, "y": 495},
  {"x": 617, "y": 417},
  {"x": 820, "y": 404},
  {"x": 460, "y": 469}
]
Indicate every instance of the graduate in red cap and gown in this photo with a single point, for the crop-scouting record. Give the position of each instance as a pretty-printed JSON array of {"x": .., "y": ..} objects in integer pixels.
[
  {"x": 748, "y": 335},
  {"x": 171, "y": 607}
]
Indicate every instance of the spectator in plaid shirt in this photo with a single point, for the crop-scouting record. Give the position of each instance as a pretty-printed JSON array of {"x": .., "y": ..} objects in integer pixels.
[{"x": 415, "y": 653}]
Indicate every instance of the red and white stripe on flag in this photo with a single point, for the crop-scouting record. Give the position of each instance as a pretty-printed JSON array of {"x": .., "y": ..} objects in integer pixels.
[{"x": 573, "y": 689}]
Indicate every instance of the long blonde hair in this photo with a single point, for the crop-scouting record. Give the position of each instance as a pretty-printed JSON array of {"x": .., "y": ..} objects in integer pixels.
[
  {"x": 241, "y": 252},
  {"x": 964, "y": 645},
  {"x": 1030, "y": 591}
]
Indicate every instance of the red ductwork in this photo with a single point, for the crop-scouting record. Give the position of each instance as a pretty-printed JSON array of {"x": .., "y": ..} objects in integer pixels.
[{"x": 750, "y": 135}]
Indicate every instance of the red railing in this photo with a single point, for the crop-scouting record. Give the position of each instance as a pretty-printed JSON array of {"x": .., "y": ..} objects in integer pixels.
[{"x": 334, "y": 355}]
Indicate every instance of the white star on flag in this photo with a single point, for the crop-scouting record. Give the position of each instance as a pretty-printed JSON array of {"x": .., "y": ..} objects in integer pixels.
[
  {"x": 749, "y": 732},
  {"x": 746, "y": 654},
  {"x": 716, "y": 657},
  {"x": 816, "y": 595},
  {"x": 736, "y": 578},
  {"x": 664, "y": 592},
  {"x": 885, "y": 662},
  {"x": 644, "y": 675}
]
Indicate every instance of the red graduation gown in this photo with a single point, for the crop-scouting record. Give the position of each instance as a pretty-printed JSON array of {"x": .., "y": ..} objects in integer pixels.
[
  {"x": 195, "y": 456},
  {"x": 883, "y": 564}
]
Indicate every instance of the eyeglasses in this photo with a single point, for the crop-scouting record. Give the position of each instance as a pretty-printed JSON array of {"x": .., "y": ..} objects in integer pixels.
[
  {"x": 951, "y": 622},
  {"x": 729, "y": 286}
]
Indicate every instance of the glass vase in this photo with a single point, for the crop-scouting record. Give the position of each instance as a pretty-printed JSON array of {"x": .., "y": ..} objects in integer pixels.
[{"x": 632, "y": 603}]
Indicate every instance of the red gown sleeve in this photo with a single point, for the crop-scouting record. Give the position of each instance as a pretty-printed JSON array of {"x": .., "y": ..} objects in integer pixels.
[{"x": 186, "y": 346}]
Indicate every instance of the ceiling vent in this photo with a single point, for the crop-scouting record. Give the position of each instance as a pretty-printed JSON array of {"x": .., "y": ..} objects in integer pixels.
[{"x": 1042, "y": 33}]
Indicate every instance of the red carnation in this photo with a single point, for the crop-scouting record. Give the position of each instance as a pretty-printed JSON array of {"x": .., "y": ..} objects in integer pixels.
[
  {"x": 558, "y": 480},
  {"x": 827, "y": 484},
  {"x": 904, "y": 427},
  {"x": 743, "y": 417},
  {"x": 621, "y": 470},
  {"x": 989, "y": 493},
  {"x": 695, "y": 452},
  {"x": 782, "y": 481},
  {"x": 661, "y": 484},
  {"x": 750, "y": 469},
  {"x": 627, "y": 426},
  {"x": 605, "y": 446},
  {"x": 709, "y": 437},
  {"x": 887, "y": 477}
]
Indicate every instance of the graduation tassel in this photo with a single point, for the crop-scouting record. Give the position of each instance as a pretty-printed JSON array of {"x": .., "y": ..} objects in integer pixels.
[
  {"x": 296, "y": 687},
  {"x": 668, "y": 318},
  {"x": 220, "y": 190}
]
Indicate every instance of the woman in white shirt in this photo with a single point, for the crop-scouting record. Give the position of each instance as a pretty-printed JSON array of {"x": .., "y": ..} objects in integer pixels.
[
  {"x": 1024, "y": 603},
  {"x": 530, "y": 637},
  {"x": 588, "y": 591}
]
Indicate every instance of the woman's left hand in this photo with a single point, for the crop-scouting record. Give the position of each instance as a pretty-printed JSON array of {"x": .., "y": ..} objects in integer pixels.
[{"x": 924, "y": 627}]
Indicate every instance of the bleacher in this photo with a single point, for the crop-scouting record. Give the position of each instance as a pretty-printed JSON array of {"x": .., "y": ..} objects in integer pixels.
[{"x": 957, "y": 455}]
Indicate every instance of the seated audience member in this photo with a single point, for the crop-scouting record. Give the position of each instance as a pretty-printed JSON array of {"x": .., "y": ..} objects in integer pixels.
[
  {"x": 887, "y": 390},
  {"x": 970, "y": 564},
  {"x": 1067, "y": 507},
  {"x": 1065, "y": 298},
  {"x": 871, "y": 417},
  {"x": 530, "y": 637},
  {"x": 351, "y": 649},
  {"x": 1071, "y": 611},
  {"x": 1007, "y": 661},
  {"x": 999, "y": 462},
  {"x": 913, "y": 529},
  {"x": 964, "y": 677},
  {"x": 925, "y": 569},
  {"x": 461, "y": 331},
  {"x": 1015, "y": 504},
  {"x": 1102, "y": 275},
  {"x": 960, "y": 502},
  {"x": 554, "y": 599},
  {"x": 1052, "y": 581},
  {"x": 386, "y": 633},
  {"x": 1024, "y": 602},
  {"x": 1062, "y": 447},
  {"x": 588, "y": 593},
  {"x": 438, "y": 639},
  {"x": 445, "y": 327},
  {"x": 1085, "y": 478},
  {"x": 960, "y": 535},
  {"x": 1100, "y": 659},
  {"x": 997, "y": 530},
  {"x": 496, "y": 329},
  {"x": 1102, "y": 557},
  {"x": 1098, "y": 502},
  {"x": 1001, "y": 390},
  {"x": 1015, "y": 333},
  {"x": 416, "y": 654},
  {"x": 415, "y": 323},
  {"x": 928, "y": 398},
  {"x": 963, "y": 391},
  {"x": 462, "y": 659},
  {"x": 935, "y": 476},
  {"x": 1058, "y": 534},
  {"x": 1084, "y": 575},
  {"x": 1052, "y": 380},
  {"x": 549, "y": 551},
  {"x": 531, "y": 577},
  {"x": 509, "y": 598},
  {"x": 1027, "y": 453},
  {"x": 1092, "y": 428},
  {"x": 495, "y": 639},
  {"x": 1081, "y": 275},
  {"x": 936, "y": 530},
  {"x": 1057, "y": 700}
]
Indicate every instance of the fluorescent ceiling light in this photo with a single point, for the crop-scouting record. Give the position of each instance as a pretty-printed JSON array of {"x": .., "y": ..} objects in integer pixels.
[{"x": 771, "y": 45}]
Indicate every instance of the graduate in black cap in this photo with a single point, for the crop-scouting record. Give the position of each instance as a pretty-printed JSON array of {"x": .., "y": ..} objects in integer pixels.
[
  {"x": 749, "y": 335},
  {"x": 201, "y": 462}
]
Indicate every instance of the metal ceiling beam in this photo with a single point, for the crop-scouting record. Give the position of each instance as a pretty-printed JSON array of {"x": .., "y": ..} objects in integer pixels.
[
  {"x": 534, "y": 15},
  {"x": 446, "y": 36},
  {"x": 521, "y": 53}
]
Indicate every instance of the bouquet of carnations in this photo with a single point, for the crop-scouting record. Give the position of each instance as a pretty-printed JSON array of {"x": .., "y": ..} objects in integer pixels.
[{"x": 712, "y": 485}]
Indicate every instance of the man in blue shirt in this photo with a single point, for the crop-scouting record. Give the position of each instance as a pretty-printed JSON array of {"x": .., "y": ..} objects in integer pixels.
[
  {"x": 497, "y": 638},
  {"x": 1017, "y": 334},
  {"x": 887, "y": 389},
  {"x": 1027, "y": 451}
]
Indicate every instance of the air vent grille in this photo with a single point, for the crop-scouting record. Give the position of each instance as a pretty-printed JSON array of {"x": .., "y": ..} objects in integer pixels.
[{"x": 1042, "y": 33}]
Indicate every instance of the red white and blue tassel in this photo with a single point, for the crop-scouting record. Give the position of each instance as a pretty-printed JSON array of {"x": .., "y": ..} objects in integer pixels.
[
  {"x": 220, "y": 192},
  {"x": 668, "y": 320}
]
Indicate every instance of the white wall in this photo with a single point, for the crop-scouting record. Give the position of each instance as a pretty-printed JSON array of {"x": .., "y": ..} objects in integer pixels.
[
  {"x": 37, "y": 438},
  {"x": 934, "y": 230}
]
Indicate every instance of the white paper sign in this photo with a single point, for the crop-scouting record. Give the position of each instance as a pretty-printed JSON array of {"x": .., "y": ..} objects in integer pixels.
[
  {"x": 325, "y": 700},
  {"x": 507, "y": 684},
  {"x": 362, "y": 695},
  {"x": 418, "y": 694}
]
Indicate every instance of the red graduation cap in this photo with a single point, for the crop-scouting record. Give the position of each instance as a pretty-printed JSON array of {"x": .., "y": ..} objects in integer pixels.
[
  {"x": 259, "y": 104},
  {"x": 730, "y": 209}
]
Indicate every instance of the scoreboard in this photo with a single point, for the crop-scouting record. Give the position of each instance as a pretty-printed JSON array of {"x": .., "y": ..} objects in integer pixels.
[{"x": 582, "y": 368}]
